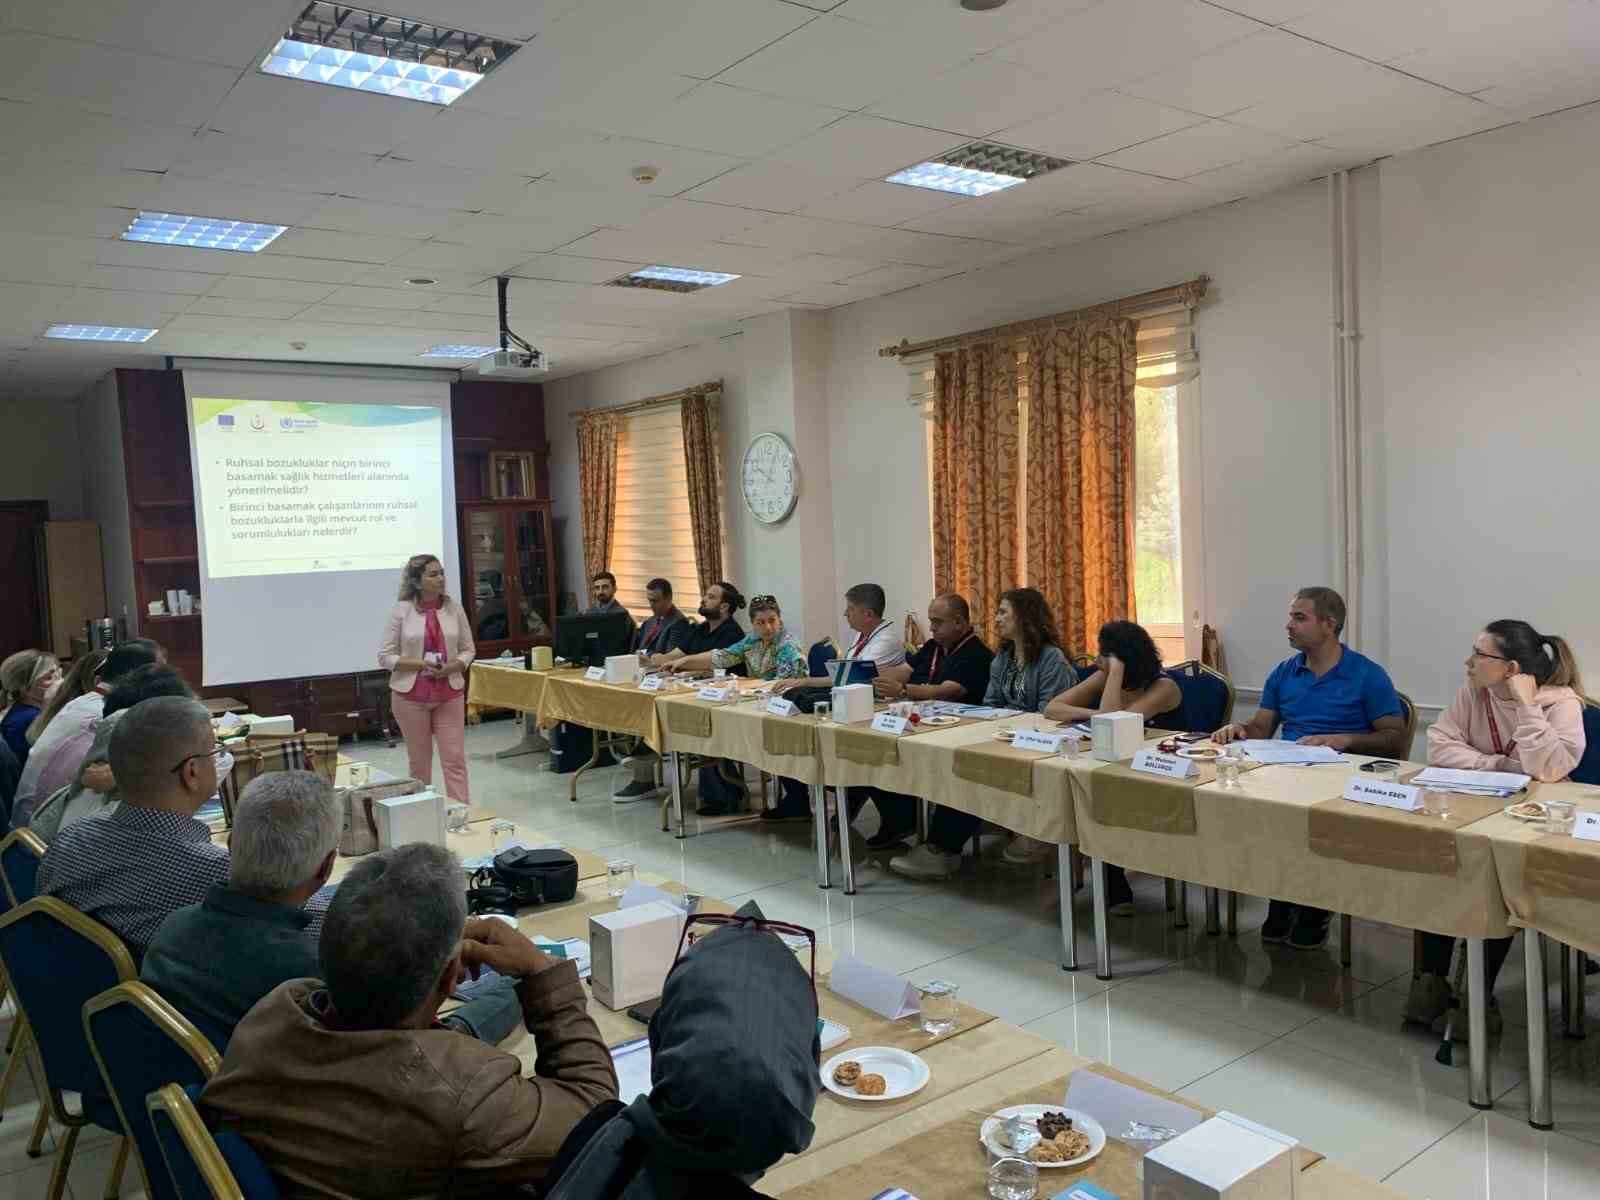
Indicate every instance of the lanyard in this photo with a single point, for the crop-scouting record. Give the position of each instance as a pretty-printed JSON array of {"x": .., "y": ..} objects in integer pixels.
[
  {"x": 938, "y": 656},
  {"x": 864, "y": 639},
  {"x": 1494, "y": 729}
]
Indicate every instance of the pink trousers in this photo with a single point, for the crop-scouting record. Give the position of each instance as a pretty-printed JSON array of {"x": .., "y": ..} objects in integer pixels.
[{"x": 443, "y": 723}]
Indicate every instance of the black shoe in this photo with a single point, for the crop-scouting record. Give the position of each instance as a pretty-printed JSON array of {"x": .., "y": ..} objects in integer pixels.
[
  {"x": 1279, "y": 923},
  {"x": 1119, "y": 893},
  {"x": 1310, "y": 929},
  {"x": 780, "y": 816},
  {"x": 888, "y": 839}
]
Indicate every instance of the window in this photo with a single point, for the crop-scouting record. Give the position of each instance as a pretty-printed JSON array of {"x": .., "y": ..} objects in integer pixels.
[{"x": 652, "y": 536}]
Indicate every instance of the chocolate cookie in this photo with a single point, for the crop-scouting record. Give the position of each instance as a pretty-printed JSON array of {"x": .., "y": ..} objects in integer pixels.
[{"x": 846, "y": 1073}]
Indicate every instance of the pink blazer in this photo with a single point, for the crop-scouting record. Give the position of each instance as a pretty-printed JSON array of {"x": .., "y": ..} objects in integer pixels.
[{"x": 403, "y": 633}]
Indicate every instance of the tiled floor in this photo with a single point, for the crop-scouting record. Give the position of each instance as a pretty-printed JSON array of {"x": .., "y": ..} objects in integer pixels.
[{"x": 1284, "y": 1037}]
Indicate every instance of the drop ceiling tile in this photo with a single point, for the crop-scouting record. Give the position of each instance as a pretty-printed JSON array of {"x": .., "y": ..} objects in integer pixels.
[
  {"x": 243, "y": 287},
  {"x": 585, "y": 88},
  {"x": 391, "y": 276},
  {"x": 1281, "y": 168},
  {"x": 839, "y": 62},
  {"x": 394, "y": 180},
  {"x": 1523, "y": 53},
  {"x": 334, "y": 314},
  {"x": 1096, "y": 124},
  {"x": 610, "y": 164},
  {"x": 736, "y": 121},
  {"x": 982, "y": 221},
  {"x": 692, "y": 219},
  {"x": 284, "y": 266},
  {"x": 772, "y": 187},
  {"x": 52, "y": 131},
  {"x": 1380, "y": 31},
  {"x": 825, "y": 268},
  {"x": 300, "y": 112},
  {"x": 517, "y": 20},
  {"x": 66, "y": 220},
  {"x": 138, "y": 87},
  {"x": 368, "y": 216},
  {"x": 233, "y": 33},
  {"x": 1269, "y": 68},
  {"x": 823, "y": 295},
  {"x": 515, "y": 237},
  {"x": 460, "y": 137},
  {"x": 273, "y": 164},
  {"x": 213, "y": 198},
  {"x": 450, "y": 256},
  {"x": 140, "y": 279},
  {"x": 27, "y": 258},
  {"x": 892, "y": 277},
  {"x": 1198, "y": 148},
  {"x": 346, "y": 247},
  {"x": 951, "y": 24},
  {"x": 105, "y": 306},
  {"x": 703, "y": 37},
  {"x": 267, "y": 310},
  {"x": 480, "y": 306},
  {"x": 603, "y": 205},
  {"x": 71, "y": 183},
  {"x": 866, "y": 147},
  {"x": 877, "y": 203},
  {"x": 374, "y": 297},
  {"x": 978, "y": 97}
]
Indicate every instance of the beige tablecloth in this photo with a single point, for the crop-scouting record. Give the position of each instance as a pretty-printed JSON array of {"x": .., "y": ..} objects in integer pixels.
[
  {"x": 489, "y": 686},
  {"x": 614, "y": 707},
  {"x": 859, "y": 756},
  {"x": 1550, "y": 883},
  {"x": 743, "y": 731},
  {"x": 1258, "y": 839}
]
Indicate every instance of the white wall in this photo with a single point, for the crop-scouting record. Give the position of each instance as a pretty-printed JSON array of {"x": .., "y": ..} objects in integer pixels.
[
  {"x": 105, "y": 488},
  {"x": 42, "y": 461}
]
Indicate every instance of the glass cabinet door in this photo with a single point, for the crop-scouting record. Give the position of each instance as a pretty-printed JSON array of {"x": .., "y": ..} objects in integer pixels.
[
  {"x": 530, "y": 538},
  {"x": 486, "y": 571}
]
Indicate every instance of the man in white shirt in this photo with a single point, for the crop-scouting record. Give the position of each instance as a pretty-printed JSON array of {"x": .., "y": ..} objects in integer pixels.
[{"x": 870, "y": 637}]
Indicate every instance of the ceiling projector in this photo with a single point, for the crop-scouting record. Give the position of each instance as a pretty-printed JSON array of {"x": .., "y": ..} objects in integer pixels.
[{"x": 514, "y": 364}]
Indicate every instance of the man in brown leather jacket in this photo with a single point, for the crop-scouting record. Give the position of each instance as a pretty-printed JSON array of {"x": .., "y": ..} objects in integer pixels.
[{"x": 348, "y": 1086}]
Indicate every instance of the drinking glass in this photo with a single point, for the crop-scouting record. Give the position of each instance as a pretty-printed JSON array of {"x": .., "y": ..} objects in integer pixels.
[
  {"x": 1013, "y": 1179},
  {"x": 937, "y": 1002},
  {"x": 500, "y": 832},
  {"x": 455, "y": 818},
  {"x": 619, "y": 874},
  {"x": 822, "y": 710},
  {"x": 1072, "y": 745},
  {"x": 1559, "y": 815},
  {"x": 1436, "y": 804},
  {"x": 1386, "y": 773},
  {"x": 1228, "y": 771}
]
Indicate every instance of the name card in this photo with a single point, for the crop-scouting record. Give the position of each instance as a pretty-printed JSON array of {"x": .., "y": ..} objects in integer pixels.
[
  {"x": 1587, "y": 826},
  {"x": 650, "y": 683},
  {"x": 595, "y": 673},
  {"x": 1037, "y": 739},
  {"x": 779, "y": 707},
  {"x": 1153, "y": 762},
  {"x": 888, "y": 723},
  {"x": 715, "y": 694},
  {"x": 880, "y": 991},
  {"x": 1404, "y": 796}
]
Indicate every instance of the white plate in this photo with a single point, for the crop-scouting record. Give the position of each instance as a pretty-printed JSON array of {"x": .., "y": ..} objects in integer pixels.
[
  {"x": 1516, "y": 816},
  {"x": 1200, "y": 753},
  {"x": 903, "y": 1072},
  {"x": 937, "y": 722},
  {"x": 1081, "y": 1121},
  {"x": 1004, "y": 734}
]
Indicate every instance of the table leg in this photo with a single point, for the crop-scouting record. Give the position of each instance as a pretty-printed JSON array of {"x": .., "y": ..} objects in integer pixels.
[
  {"x": 1233, "y": 914},
  {"x": 1346, "y": 932},
  {"x": 1180, "y": 919},
  {"x": 596, "y": 740},
  {"x": 843, "y": 812},
  {"x": 533, "y": 742},
  {"x": 819, "y": 825},
  {"x": 1069, "y": 918},
  {"x": 1213, "y": 912},
  {"x": 1172, "y": 895},
  {"x": 1572, "y": 997},
  {"x": 1479, "y": 1094},
  {"x": 1540, "y": 1115},
  {"x": 923, "y": 820},
  {"x": 1102, "y": 941},
  {"x": 674, "y": 767}
]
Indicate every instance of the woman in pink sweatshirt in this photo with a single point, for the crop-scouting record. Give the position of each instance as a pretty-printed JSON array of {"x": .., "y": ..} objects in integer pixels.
[{"x": 1521, "y": 710}]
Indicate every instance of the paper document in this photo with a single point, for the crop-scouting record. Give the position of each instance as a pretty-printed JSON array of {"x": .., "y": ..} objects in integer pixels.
[
  {"x": 1475, "y": 783},
  {"x": 1263, "y": 750},
  {"x": 575, "y": 949},
  {"x": 632, "y": 1061},
  {"x": 1116, "y": 1105}
]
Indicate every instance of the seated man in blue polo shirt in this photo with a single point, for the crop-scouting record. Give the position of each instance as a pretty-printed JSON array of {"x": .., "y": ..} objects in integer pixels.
[{"x": 1326, "y": 695}]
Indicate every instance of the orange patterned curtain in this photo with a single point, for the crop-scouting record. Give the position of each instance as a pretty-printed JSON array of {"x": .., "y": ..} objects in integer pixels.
[
  {"x": 974, "y": 476},
  {"x": 597, "y": 486},
  {"x": 703, "y": 461},
  {"x": 1080, "y": 520}
]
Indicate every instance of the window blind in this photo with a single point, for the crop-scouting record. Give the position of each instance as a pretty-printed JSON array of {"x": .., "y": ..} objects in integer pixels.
[{"x": 652, "y": 535}]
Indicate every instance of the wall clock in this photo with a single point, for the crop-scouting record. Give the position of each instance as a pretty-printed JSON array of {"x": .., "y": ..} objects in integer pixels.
[{"x": 769, "y": 478}]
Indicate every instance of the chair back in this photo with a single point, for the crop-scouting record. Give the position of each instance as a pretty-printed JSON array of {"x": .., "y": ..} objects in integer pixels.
[
  {"x": 58, "y": 960},
  {"x": 20, "y": 853},
  {"x": 1408, "y": 710},
  {"x": 203, "y": 1165},
  {"x": 817, "y": 657},
  {"x": 1207, "y": 698},
  {"x": 10, "y": 776},
  {"x": 1588, "y": 768},
  {"x": 141, "y": 1043}
]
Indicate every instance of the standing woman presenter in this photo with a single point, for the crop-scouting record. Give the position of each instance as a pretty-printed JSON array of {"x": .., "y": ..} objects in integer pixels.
[{"x": 426, "y": 648}]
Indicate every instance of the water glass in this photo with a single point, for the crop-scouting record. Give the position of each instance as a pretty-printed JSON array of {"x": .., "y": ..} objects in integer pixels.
[
  {"x": 822, "y": 710},
  {"x": 1436, "y": 804},
  {"x": 1386, "y": 772},
  {"x": 455, "y": 818},
  {"x": 1228, "y": 771},
  {"x": 619, "y": 875},
  {"x": 937, "y": 1003},
  {"x": 1013, "y": 1179},
  {"x": 500, "y": 833},
  {"x": 1559, "y": 815},
  {"x": 1072, "y": 745}
]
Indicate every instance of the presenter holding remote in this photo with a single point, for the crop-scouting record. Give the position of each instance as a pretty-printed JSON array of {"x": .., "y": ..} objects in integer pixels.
[{"x": 426, "y": 648}]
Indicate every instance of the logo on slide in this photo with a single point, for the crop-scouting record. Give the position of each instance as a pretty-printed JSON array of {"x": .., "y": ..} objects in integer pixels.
[
  {"x": 225, "y": 421},
  {"x": 257, "y": 423}
]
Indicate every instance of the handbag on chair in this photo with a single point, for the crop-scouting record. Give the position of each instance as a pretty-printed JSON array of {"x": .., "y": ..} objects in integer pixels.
[
  {"x": 359, "y": 834},
  {"x": 260, "y": 753}
]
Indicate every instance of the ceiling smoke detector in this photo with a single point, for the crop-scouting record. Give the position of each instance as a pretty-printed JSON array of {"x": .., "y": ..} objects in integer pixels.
[
  {"x": 646, "y": 174},
  {"x": 981, "y": 5},
  {"x": 421, "y": 281}
]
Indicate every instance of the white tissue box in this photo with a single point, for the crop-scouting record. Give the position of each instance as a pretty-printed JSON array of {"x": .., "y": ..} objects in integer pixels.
[
  {"x": 631, "y": 950},
  {"x": 1225, "y": 1158},
  {"x": 401, "y": 820},
  {"x": 852, "y": 703},
  {"x": 543, "y": 658},
  {"x": 622, "y": 668},
  {"x": 1117, "y": 735},
  {"x": 275, "y": 725}
]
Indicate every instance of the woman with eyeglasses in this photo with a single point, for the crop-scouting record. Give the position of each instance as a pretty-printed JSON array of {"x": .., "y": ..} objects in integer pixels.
[
  {"x": 1520, "y": 710},
  {"x": 29, "y": 679}
]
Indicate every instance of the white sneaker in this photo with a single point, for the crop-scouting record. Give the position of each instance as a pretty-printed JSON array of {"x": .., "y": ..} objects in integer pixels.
[
  {"x": 924, "y": 862},
  {"x": 1025, "y": 851}
]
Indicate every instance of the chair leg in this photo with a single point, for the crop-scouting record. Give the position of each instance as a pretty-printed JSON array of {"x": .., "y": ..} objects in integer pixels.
[
  {"x": 18, "y": 1049},
  {"x": 58, "y": 1172},
  {"x": 41, "y": 1126},
  {"x": 118, "y": 1168},
  {"x": 1345, "y": 927}
]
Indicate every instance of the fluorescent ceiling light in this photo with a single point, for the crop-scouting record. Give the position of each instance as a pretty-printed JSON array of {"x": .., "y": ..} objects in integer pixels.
[
  {"x": 978, "y": 169},
  {"x": 453, "y": 350},
  {"x": 673, "y": 279},
  {"x": 383, "y": 55},
  {"x": 204, "y": 233},
  {"x": 100, "y": 333}
]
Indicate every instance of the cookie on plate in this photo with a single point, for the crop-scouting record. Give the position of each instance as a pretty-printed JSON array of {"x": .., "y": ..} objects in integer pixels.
[
  {"x": 872, "y": 1085},
  {"x": 846, "y": 1073}
]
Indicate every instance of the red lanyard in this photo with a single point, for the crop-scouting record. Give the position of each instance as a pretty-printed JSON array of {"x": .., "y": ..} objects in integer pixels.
[
  {"x": 1494, "y": 729},
  {"x": 938, "y": 654},
  {"x": 863, "y": 640}
]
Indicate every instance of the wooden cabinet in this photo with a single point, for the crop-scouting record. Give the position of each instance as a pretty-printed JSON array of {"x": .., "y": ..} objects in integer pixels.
[{"x": 508, "y": 573}]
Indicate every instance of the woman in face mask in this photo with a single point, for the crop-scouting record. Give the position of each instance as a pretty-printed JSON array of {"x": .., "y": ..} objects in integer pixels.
[{"x": 28, "y": 679}]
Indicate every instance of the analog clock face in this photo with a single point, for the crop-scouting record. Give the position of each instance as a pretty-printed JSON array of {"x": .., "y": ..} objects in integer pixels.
[{"x": 768, "y": 478}]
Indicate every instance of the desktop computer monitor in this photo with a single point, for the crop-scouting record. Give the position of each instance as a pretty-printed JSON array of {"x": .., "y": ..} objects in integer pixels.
[{"x": 586, "y": 640}]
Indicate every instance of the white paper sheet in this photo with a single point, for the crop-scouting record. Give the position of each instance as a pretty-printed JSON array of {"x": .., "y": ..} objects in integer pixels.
[
  {"x": 1115, "y": 1105},
  {"x": 872, "y": 987},
  {"x": 1481, "y": 783},
  {"x": 632, "y": 1061},
  {"x": 1287, "y": 753}
]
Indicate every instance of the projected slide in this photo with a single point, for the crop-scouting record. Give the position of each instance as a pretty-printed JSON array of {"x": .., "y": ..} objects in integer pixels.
[{"x": 290, "y": 488}]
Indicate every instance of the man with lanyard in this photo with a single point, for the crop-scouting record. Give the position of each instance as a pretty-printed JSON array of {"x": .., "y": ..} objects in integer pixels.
[
  {"x": 952, "y": 665},
  {"x": 871, "y": 638},
  {"x": 1326, "y": 695}
]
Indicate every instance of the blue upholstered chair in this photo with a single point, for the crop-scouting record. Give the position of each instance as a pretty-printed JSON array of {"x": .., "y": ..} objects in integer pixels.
[
  {"x": 817, "y": 657},
  {"x": 20, "y": 853},
  {"x": 1588, "y": 768},
  {"x": 201, "y": 1164},
  {"x": 1207, "y": 697}
]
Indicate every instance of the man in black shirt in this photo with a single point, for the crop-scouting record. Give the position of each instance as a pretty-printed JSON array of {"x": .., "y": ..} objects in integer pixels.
[
  {"x": 717, "y": 631},
  {"x": 953, "y": 664},
  {"x": 667, "y": 627}
]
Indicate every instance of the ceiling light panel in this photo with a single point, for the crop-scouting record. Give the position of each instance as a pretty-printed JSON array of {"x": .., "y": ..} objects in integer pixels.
[
  {"x": 454, "y": 350},
  {"x": 673, "y": 279},
  {"x": 978, "y": 169},
  {"x": 384, "y": 55},
  {"x": 100, "y": 333},
  {"x": 202, "y": 233}
]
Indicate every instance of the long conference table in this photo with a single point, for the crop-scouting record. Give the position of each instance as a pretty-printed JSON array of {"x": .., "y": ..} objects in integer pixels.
[{"x": 1286, "y": 831}]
